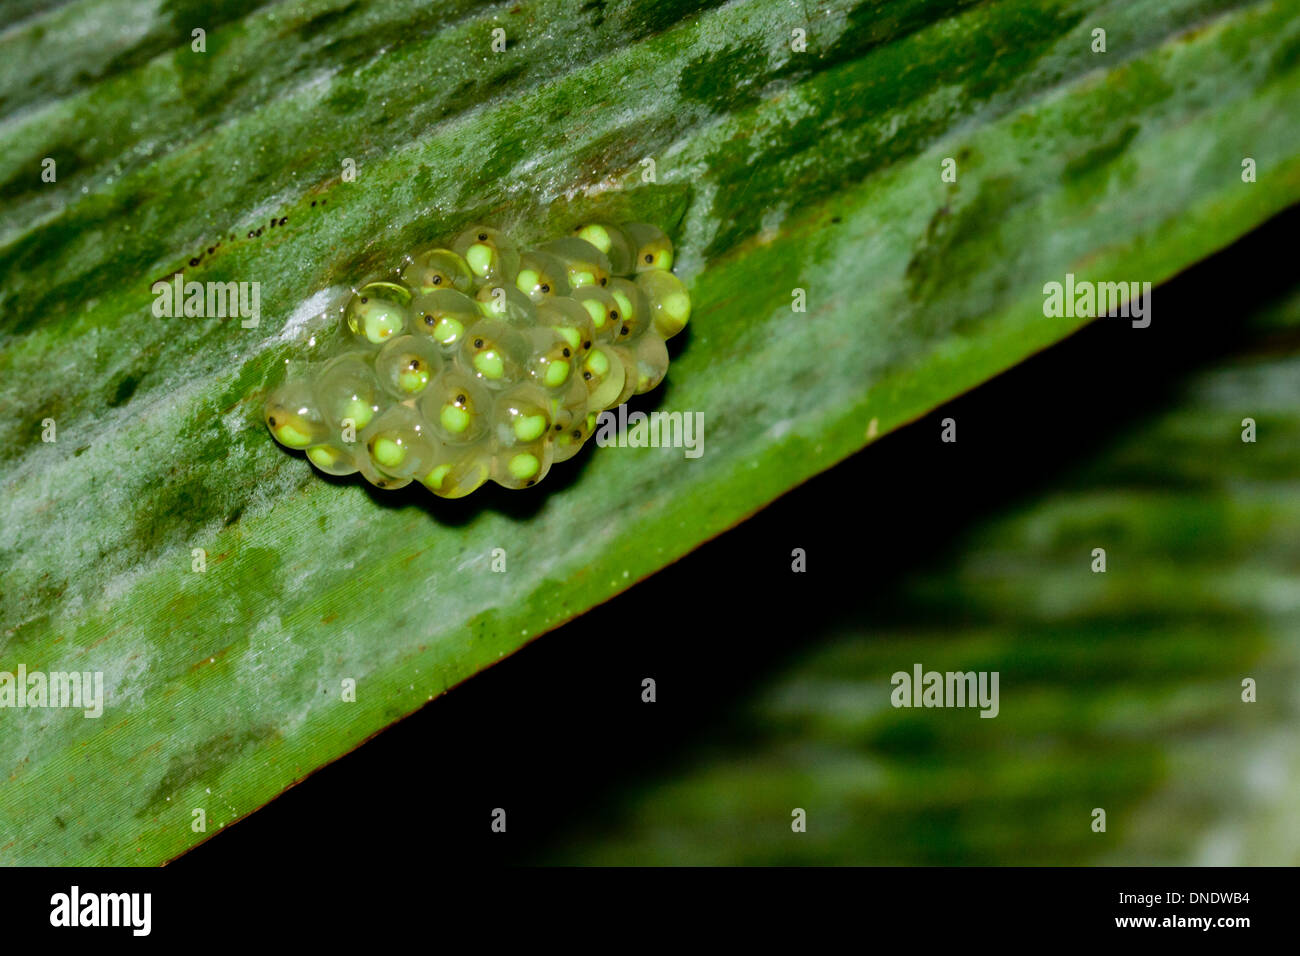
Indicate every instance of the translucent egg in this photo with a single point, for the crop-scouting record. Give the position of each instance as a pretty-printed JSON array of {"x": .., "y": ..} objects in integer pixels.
[
  {"x": 376, "y": 312},
  {"x": 348, "y": 393},
  {"x": 460, "y": 473},
  {"x": 552, "y": 359},
  {"x": 670, "y": 303},
  {"x": 378, "y": 478},
  {"x": 437, "y": 270},
  {"x": 293, "y": 416},
  {"x": 522, "y": 466},
  {"x": 584, "y": 264},
  {"x": 541, "y": 276},
  {"x": 407, "y": 364},
  {"x": 506, "y": 304},
  {"x": 569, "y": 318},
  {"x": 603, "y": 310},
  {"x": 333, "y": 459},
  {"x": 493, "y": 353},
  {"x": 626, "y": 358},
  {"x": 570, "y": 441},
  {"x": 634, "y": 306},
  {"x": 612, "y": 241},
  {"x": 521, "y": 417},
  {"x": 651, "y": 361},
  {"x": 651, "y": 249},
  {"x": 567, "y": 408},
  {"x": 444, "y": 316},
  {"x": 457, "y": 408},
  {"x": 604, "y": 373},
  {"x": 398, "y": 443},
  {"x": 492, "y": 258}
]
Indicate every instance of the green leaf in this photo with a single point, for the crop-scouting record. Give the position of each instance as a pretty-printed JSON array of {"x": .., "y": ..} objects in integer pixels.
[{"x": 775, "y": 170}]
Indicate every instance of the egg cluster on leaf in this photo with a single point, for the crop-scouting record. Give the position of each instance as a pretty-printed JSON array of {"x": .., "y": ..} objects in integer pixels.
[{"x": 481, "y": 360}]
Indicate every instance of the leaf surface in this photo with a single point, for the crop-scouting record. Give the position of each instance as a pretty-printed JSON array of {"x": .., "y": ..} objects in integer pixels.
[{"x": 774, "y": 170}]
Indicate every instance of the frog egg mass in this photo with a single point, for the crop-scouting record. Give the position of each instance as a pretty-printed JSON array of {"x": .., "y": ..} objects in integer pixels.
[{"x": 486, "y": 360}]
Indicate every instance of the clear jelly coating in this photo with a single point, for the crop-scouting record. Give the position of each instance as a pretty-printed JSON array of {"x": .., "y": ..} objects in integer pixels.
[
  {"x": 542, "y": 276},
  {"x": 436, "y": 270},
  {"x": 603, "y": 310},
  {"x": 612, "y": 240},
  {"x": 348, "y": 393},
  {"x": 583, "y": 263},
  {"x": 491, "y": 256},
  {"x": 376, "y": 312},
  {"x": 485, "y": 360},
  {"x": 651, "y": 249},
  {"x": 407, "y": 364},
  {"x": 443, "y": 316}
]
